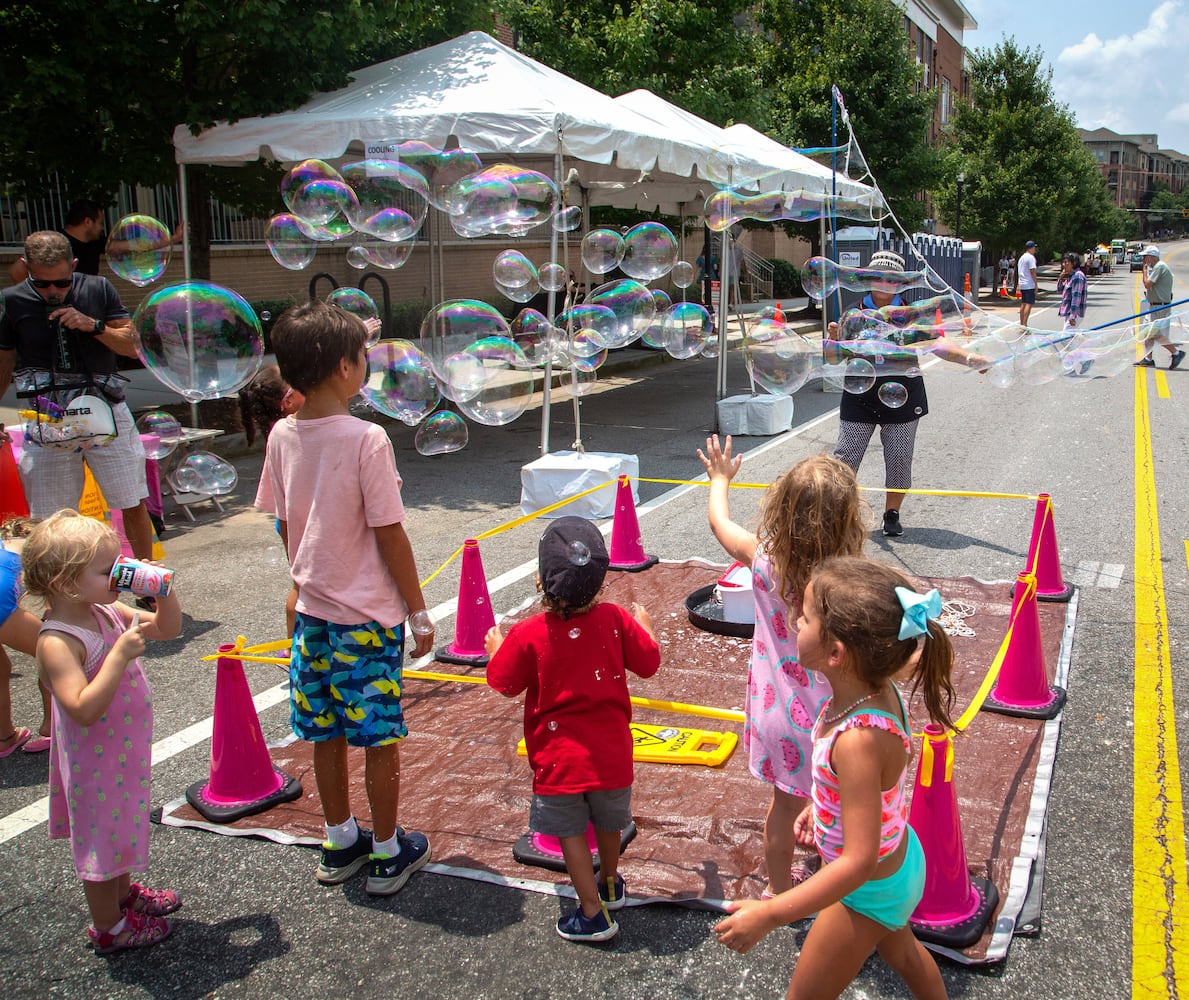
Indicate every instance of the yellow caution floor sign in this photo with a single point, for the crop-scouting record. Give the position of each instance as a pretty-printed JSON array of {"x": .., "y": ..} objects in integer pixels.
[{"x": 674, "y": 745}]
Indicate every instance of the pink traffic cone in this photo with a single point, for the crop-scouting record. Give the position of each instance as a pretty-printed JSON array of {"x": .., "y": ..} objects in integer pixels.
[
  {"x": 1022, "y": 688},
  {"x": 956, "y": 906},
  {"x": 243, "y": 779},
  {"x": 474, "y": 616},
  {"x": 1043, "y": 560},
  {"x": 627, "y": 550},
  {"x": 12, "y": 494}
]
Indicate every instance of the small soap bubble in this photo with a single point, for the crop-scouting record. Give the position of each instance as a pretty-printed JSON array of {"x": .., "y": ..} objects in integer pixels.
[
  {"x": 552, "y": 277},
  {"x": 568, "y": 219},
  {"x": 513, "y": 269},
  {"x": 400, "y": 382},
  {"x": 580, "y": 381},
  {"x": 602, "y": 250},
  {"x": 553, "y": 722},
  {"x": 138, "y": 249},
  {"x": 687, "y": 325},
  {"x": 683, "y": 274},
  {"x": 649, "y": 251},
  {"x": 574, "y": 633},
  {"x": 315, "y": 192},
  {"x": 205, "y": 472},
  {"x": 265, "y": 315},
  {"x": 892, "y": 394},
  {"x": 441, "y": 434},
  {"x": 858, "y": 376},
  {"x": 578, "y": 553},
  {"x": 165, "y": 427},
  {"x": 357, "y": 257},
  {"x": 274, "y": 555},
  {"x": 288, "y": 243}
]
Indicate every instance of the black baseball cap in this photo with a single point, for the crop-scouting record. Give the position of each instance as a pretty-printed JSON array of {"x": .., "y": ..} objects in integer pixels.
[{"x": 572, "y": 561}]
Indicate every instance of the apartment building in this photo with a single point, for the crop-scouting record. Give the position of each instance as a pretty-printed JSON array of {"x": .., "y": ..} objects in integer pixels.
[{"x": 1134, "y": 164}]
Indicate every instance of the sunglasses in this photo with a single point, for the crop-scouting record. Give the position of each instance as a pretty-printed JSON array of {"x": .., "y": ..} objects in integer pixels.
[{"x": 51, "y": 282}]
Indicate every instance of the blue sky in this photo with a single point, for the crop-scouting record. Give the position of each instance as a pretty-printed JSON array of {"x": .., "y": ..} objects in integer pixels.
[{"x": 1122, "y": 64}]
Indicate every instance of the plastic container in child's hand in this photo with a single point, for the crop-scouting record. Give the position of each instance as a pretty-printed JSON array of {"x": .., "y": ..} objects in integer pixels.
[{"x": 141, "y": 578}]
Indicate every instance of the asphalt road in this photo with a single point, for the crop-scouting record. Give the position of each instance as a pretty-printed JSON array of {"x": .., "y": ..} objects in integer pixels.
[{"x": 256, "y": 924}]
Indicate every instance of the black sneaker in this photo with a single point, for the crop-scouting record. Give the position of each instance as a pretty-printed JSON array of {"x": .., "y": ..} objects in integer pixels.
[
  {"x": 891, "y": 523},
  {"x": 386, "y": 876},
  {"x": 1177, "y": 358},
  {"x": 579, "y": 927},
  {"x": 613, "y": 892},
  {"x": 339, "y": 863},
  {"x": 1145, "y": 363}
]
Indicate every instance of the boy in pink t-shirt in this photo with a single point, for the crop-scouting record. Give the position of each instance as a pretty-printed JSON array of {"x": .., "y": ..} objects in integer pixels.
[{"x": 331, "y": 480}]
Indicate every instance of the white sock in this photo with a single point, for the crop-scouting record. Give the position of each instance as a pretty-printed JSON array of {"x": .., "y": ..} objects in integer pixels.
[
  {"x": 389, "y": 848},
  {"x": 342, "y": 835}
]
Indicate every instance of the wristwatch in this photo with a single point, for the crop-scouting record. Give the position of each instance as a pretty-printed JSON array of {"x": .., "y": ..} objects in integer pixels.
[{"x": 97, "y": 328}]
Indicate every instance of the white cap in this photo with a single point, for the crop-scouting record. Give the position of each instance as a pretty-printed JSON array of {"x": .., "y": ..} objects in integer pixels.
[{"x": 1152, "y": 252}]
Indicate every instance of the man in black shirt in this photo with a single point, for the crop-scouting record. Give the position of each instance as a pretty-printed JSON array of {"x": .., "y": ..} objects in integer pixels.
[
  {"x": 69, "y": 327},
  {"x": 84, "y": 229}
]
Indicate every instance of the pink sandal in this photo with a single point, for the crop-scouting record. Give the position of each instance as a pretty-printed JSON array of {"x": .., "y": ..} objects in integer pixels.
[
  {"x": 17, "y": 739},
  {"x": 150, "y": 902},
  {"x": 140, "y": 931}
]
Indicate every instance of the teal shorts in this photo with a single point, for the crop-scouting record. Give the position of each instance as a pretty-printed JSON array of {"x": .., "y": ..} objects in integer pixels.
[
  {"x": 890, "y": 901},
  {"x": 345, "y": 680}
]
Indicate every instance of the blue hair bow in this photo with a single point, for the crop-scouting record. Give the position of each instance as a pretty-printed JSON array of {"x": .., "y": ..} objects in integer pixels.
[{"x": 918, "y": 609}]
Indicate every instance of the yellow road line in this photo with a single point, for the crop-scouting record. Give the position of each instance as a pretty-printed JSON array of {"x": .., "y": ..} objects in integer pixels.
[
  {"x": 1162, "y": 384},
  {"x": 1159, "y": 903}
]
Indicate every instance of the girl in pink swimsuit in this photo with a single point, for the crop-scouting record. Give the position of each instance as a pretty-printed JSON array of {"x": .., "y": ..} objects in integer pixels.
[
  {"x": 88, "y": 655},
  {"x": 811, "y": 512},
  {"x": 861, "y": 624}
]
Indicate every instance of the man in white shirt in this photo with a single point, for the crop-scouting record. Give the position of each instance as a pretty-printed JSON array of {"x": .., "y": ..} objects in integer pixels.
[{"x": 1026, "y": 269}]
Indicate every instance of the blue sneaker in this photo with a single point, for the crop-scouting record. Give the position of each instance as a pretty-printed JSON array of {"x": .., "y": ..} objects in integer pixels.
[
  {"x": 386, "y": 876},
  {"x": 613, "y": 893},
  {"x": 579, "y": 927},
  {"x": 339, "y": 863}
]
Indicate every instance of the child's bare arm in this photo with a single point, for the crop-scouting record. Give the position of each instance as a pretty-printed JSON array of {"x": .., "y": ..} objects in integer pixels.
[
  {"x": 721, "y": 467},
  {"x": 60, "y": 662},
  {"x": 397, "y": 553},
  {"x": 164, "y": 623},
  {"x": 640, "y": 613}
]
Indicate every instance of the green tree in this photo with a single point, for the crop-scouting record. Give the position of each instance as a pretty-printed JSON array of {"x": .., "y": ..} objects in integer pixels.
[
  {"x": 861, "y": 47},
  {"x": 95, "y": 87},
  {"x": 698, "y": 55},
  {"x": 1028, "y": 174}
]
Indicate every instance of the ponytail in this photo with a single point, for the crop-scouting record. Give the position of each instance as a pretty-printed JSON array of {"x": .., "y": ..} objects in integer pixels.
[{"x": 931, "y": 674}]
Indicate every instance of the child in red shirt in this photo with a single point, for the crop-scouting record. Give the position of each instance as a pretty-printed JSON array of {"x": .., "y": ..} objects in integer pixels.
[{"x": 571, "y": 660}]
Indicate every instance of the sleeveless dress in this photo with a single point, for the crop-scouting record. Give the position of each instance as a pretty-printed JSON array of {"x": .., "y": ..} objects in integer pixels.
[
  {"x": 783, "y": 698},
  {"x": 99, "y": 774}
]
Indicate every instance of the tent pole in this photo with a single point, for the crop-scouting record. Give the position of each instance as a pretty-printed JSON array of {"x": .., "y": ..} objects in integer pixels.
[
  {"x": 551, "y": 313},
  {"x": 724, "y": 308},
  {"x": 184, "y": 200}
]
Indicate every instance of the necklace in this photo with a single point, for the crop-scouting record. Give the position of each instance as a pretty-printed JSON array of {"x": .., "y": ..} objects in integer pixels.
[{"x": 831, "y": 719}]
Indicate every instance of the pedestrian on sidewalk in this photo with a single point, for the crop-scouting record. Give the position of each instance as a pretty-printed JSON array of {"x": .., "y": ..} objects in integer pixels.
[{"x": 1026, "y": 269}]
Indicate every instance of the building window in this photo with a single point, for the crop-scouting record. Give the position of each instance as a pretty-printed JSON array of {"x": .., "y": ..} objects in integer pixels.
[
  {"x": 946, "y": 100},
  {"x": 1114, "y": 156}
]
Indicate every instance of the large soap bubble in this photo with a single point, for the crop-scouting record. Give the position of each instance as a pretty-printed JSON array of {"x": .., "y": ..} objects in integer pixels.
[
  {"x": 165, "y": 428},
  {"x": 602, "y": 250},
  {"x": 534, "y": 335},
  {"x": 441, "y": 434},
  {"x": 138, "y": 249},
  {"x": 687, "y": 327},
  {"x": 501, "y": 200},
  {"x": 513, "y": 269},
  {"x": 199, "y": 339},
  {"x": 632, "y": 305},
  {"x": 400, "y": 382},
  {"x": 597, "y": 323},
  {"x": 453, "y": 325},
  {"x": 205, "y": 472},
  {"x": 552, "y": 277},
  {"x": 778, "y": 358},
  {"x": 442, "y": 169},
  {"x": 858, "y": 375},
  {"x": 315, "y": 192},
  {"x": 649, "y": 251},
  {"x": 389, "y": 199},
  {"x": 288, "y": 242},
  {"x": 505, "y": 388}
]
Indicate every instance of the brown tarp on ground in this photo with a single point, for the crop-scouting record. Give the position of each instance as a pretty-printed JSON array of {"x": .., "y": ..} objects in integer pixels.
[{"x": 700, "y": 838}]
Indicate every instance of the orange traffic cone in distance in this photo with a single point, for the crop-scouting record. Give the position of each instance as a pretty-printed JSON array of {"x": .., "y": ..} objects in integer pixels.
[
  {"x": 243, "y": 779},
  {"x": 1022, "y": 688},
  {"x": 777, "y": 314},
  {"x": 955, "y": 907},
  {"x": 966, "y": 285},
  {"x": 939, "y": 322},
  {"x": 12, "y": 494}
]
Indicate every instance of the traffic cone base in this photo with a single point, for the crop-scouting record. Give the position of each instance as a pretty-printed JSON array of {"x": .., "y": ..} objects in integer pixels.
[
  {"x": 544, "y": 851},
  {"x": 474, "y": 617},
  {"x": 960, "y": 933},
  {"x": 627, "y": 550},
  {"x": 1048, "y": 709},
  {"x": 243, "y": 779}
]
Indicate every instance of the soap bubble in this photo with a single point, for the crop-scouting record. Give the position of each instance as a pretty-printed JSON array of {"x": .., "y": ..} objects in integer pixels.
[
  {"x": 524, "y": 293},
  {"x": 390, "y": 199},
  {"x": 506, "y": 387},
  {"x": 357, "y": 257},
  {"x": 400, "y": 382},
  {"x": 552, "y": 277},
  {"x": 725, "y": 208},
  {"x": 513, "y": 269},
  {"x": 314, "y": 191},
  {"x": 858, "y": 376},
  {"x": 778, "y": 358},
  {"x": 602, "y": 250},
  {"x": 452, "y": 325},
  {"x": 567, "y": 219},
  {"x": 138, "y": 249},
  {"x": 534, "y": 335},
  {"x": 201, "y": 340},
  {"x": 205, "y": 472},
  {"x": 683, "y": 274},
  {"x": 355, "y": 301},
  {"x": 580, "y": 381},
  {"x": 654, "y": 333},
  {"x": 379, "y": 253},
  {"x": 442, "y": 169},
  {"x": 649, "y": 251},
  {"x": 632, "y": 305},
  {"x": 578, "y": 553},
  {"x": 892, "y": 394},
  {"x": 288, "y": 243},
  {"x": 596, "y": 322},
  {"x": 686, "y": 328},
  {"x": 585, "y": 352},
  {"x": 441, "y": 434},
  {"x": 165, "y": 427},
  {"x": 501, "y": 200}
]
